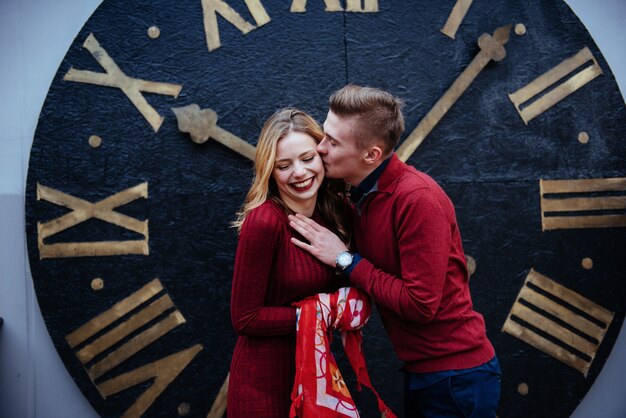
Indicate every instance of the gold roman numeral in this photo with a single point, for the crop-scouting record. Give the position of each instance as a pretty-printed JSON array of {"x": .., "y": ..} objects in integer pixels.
[
  {"x": 541, "y": 84},
  {"x": 114, "y": 77},
  {"x": 356, "y": 6},
  {"x": 163, "y": 371},
  {"x": 558, "y": 321},
  {"x": 565, "y": 212},
  {"x": 219, "y": 404},
  {"x": 456, "y": 18},
  {"x": 82, "y": 211},
  {"x": 211, "y": 8}
]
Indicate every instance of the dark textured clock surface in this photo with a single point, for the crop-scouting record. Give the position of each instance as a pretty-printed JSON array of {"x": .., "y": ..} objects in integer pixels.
[{"x": 482, "y": 153}]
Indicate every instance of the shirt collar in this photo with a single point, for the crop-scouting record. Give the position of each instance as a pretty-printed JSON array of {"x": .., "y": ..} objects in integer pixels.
[
  {"x": 369, "y": 183},
  {"x": 389, "y": 178}
]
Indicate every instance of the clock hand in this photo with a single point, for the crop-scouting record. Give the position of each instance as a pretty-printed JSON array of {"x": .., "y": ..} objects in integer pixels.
[
  {"x": 201, "y": 124},
  {"x": 491, "y": 48}
]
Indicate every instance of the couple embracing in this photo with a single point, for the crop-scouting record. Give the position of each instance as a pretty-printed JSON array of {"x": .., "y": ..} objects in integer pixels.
[{"x": 392, "y": 237}]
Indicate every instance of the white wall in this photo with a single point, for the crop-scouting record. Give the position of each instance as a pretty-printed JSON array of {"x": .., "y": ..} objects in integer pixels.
[{"x": 34, "y": 36}]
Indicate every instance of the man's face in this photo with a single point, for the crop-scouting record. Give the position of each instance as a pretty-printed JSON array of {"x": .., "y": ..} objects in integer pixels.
[{"x": 339, "y": 150}]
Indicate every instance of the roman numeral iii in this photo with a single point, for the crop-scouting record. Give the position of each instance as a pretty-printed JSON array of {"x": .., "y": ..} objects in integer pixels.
[{"x": 584, "y": 203}]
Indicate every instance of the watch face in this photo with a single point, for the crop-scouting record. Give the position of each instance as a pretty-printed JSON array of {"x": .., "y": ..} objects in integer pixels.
[
  {"x": 344, "y": 260},
  {"x": 510, "y": 106}
]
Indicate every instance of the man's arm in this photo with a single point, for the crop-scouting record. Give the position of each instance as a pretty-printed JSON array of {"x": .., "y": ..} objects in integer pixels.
[
  {"x": 324, "y": 244},
  {"x": 423, "y": 233}
]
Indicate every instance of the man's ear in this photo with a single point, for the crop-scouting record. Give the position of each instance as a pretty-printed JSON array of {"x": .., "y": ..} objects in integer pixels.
[{"x": 373, "y": 155}]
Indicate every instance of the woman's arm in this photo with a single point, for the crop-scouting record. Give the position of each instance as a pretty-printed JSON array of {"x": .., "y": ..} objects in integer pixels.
[{"x": 260, "y": 235}]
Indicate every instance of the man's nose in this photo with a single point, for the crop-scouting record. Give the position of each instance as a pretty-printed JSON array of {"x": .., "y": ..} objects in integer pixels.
[{"x": 321, "y": 147}]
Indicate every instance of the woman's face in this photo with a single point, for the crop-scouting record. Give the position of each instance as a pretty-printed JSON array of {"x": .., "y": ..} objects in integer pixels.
[{"x": 298, "y": 171}]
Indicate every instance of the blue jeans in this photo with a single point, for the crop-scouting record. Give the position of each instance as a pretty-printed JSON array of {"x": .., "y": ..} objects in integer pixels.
[{"x": 469, "y": 395}]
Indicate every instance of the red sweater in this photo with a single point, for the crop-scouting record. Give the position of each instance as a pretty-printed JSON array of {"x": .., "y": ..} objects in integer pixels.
[
  {"x": 270, "y": 273},
  {"x": 415, "y": 270}
]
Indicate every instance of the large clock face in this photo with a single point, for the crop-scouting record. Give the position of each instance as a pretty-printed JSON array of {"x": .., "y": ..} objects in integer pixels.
[{"x": 128, "y": 202}]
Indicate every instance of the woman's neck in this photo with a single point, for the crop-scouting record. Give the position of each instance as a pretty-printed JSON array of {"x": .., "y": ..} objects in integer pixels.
[{"x": 306, "y": 208}]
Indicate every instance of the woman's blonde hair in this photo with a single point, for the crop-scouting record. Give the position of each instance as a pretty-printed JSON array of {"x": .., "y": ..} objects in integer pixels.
[{"x": 332, "y": 191}]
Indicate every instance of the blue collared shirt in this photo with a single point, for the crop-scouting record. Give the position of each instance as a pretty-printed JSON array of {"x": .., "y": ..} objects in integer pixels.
[{"x": 368, "y": 185}]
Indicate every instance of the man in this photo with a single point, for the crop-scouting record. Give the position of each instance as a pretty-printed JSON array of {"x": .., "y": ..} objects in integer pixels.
[{"x": 410, "y": 259}]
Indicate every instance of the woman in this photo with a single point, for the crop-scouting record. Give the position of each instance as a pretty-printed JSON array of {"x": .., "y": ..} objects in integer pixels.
[{"x": 270, "y": 272}]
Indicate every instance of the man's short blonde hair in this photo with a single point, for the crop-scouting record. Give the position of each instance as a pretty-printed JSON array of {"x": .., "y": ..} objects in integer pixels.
[{"x": 379, "y": 113}]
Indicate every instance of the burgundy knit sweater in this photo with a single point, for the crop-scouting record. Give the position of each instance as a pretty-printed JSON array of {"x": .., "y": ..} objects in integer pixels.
[
  {"x": 415, "y": 270},
  {"x": 270, "y": 273}
]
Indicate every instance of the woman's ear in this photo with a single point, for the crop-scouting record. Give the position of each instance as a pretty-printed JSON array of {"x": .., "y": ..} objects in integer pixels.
[{"x": 373, "y": 155}]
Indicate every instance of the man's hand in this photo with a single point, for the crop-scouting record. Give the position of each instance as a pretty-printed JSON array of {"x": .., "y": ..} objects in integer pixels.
[{"x": 324, "y": 245}]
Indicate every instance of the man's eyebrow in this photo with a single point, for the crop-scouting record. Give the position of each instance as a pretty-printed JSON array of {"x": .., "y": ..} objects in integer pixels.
[{"x": 332, "y": 138}]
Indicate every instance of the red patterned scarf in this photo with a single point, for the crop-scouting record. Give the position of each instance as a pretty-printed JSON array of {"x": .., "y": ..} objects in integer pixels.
[{"x": 319, "y": 390}]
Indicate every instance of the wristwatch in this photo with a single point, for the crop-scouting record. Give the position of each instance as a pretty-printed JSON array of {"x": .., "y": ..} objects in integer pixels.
[{"x": 343, "y": 260}]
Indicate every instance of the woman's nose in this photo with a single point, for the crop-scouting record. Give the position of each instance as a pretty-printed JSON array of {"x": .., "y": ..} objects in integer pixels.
[{"x": 299, "y": 170}]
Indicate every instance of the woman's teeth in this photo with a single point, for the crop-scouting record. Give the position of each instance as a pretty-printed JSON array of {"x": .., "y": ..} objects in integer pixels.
[{"x": 303, "y": 184}]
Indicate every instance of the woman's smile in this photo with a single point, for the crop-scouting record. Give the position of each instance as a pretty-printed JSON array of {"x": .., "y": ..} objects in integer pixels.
[{"x": 303, "y": 186}]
